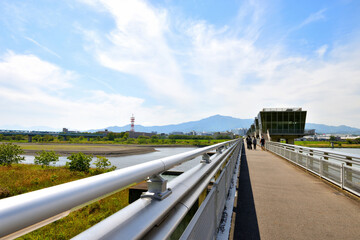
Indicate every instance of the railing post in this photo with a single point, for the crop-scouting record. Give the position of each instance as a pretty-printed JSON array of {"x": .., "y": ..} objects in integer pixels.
[
  {"x": 349, "y": 174},
  {"x": 321, "y": 167},
  {"x": 342, "y": 175},
  {"x": 157, "y": 188},
  {"x": 326, "y": 167}
]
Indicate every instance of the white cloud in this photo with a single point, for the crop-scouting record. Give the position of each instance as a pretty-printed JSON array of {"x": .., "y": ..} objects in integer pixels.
[
  {"x": 322, "y": 50},
  {"x": 36, "y": 92},
  {"x": 210, "y": 70},
  {"x": 319, "y": 15},
  {"x": 139, "y": 47},
  {"x": 43, "y": 47},
  {"x": 233, "y": 75},
  {"x": 29, "y": 73}
]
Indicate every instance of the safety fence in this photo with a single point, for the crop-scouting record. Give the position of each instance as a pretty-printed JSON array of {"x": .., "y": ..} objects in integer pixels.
[
  {"x": 341, "y": 169},
  {"x": 156, "y": 215},
  {"x": 207, "y": 219}
]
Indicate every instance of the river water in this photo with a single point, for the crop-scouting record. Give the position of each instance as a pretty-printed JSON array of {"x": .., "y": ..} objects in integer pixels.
[
  {"x": 352, "y": 151},
  {"x": 126, "y": 161}
]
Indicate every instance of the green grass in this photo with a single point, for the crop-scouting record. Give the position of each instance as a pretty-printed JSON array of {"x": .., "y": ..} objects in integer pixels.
[
  {"x": 22, "y": 178},
  {"x": 190, "y": 142},
  {"x": 82, "y": 219},
  {"x": 326, "y": 144}
]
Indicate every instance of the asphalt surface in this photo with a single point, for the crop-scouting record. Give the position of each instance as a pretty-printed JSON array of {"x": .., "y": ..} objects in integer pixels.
[{"x": 277, "y": 200}]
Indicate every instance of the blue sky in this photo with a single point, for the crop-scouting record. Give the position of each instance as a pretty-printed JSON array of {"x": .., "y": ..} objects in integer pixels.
[{"x": 93, "y": 63}]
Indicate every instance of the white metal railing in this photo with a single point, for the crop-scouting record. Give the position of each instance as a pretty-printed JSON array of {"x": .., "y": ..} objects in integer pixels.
[
  {"x": 341, "y": 169},
  {"x": 137, "y": 220},
  {"x": 27, "y": 212},
  {"x": 210, "y": 213}
]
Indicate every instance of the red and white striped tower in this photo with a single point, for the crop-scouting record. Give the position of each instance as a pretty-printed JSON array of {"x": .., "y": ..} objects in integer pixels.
[{"x": 132, "y": 119}]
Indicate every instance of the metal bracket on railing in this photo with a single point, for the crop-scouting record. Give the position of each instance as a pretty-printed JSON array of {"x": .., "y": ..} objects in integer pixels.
[
  {"x": 157, "y": 188},
  {"x": 219, "y": 150},
  {"x": 205, "y": 158}
]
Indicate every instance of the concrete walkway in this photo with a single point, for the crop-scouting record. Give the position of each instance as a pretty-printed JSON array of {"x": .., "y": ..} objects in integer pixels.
[{"x": 277, "y": 200}]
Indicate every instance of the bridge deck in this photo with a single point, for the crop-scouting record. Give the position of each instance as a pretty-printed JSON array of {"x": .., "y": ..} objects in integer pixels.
[{"x": 277, "y": 200}]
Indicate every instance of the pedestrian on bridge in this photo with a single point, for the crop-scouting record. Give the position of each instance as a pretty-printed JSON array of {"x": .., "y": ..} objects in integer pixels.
[
  {"x": 254, "y": 142},
  {"x": 248, "y": 142},
  {"x": 262, "y": 142}
]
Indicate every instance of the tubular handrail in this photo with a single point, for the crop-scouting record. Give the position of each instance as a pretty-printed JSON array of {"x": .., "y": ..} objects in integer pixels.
[
  {"x": 330, "y": 154},
  {"x": 343, "y": 172},
  {"x": 135, "y": 220},
  {"x": 27, "y": 212}
]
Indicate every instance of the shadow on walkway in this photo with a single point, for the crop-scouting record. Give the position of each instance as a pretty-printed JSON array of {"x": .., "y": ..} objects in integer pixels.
[{"x": 246, "y": 224}]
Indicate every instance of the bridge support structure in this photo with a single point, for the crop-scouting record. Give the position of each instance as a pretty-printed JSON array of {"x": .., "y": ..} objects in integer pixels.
[{"x": 288, "y": 139}]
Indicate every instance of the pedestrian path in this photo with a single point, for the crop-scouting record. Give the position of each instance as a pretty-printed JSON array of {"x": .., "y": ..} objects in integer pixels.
[{"x": 277, "y": 200}]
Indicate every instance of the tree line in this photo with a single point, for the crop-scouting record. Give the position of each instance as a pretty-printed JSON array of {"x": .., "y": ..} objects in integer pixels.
[
  {"x": 122, "y": 137},
  {"x": 11, "y": 153}
]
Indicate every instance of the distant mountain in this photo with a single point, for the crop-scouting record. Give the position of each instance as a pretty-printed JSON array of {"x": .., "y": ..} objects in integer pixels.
[
  {"x": 214, "y": 123},
  {"x": 322, "y": 128},
  {"x": 224, "y": 123},
  {"x": 211, "y": 124}
]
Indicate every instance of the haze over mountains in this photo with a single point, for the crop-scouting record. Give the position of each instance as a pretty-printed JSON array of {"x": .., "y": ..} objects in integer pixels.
[
  {"x": 219, "y": 123},
  {"x": 214, "y": 123}
]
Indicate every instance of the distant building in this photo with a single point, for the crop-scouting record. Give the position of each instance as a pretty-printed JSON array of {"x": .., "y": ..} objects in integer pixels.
[
  {"x": 239, "y": 131},
  {"x": 176, "y": 133},
  {"x": 192, "y": 133},
  {"x": 229, "y": 134},
  {"x": 205, "y": 133},
  {"x": 104, "y": 132},
  {"x": 65, "y": 130},
  {"x": 279, "y": 123},
  {"x": 137, "y": 134}
]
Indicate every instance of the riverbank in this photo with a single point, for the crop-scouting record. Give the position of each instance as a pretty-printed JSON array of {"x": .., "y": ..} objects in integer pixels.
[
  {"x": 113, "y": 150},
  {"x": 326, "y": 144},
  {"x": 128, "y": 142}
]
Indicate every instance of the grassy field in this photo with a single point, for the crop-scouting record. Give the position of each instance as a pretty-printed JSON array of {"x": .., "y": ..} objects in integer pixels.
[
  {"x": 326, "y": 144},
  {"x": 127, "y": 142},
  {"x": 111, "y": 148},
  {"x": 94, "y": 149},
  {"x": 22, "y": 178},
  {"x": 74, "y": 147}
]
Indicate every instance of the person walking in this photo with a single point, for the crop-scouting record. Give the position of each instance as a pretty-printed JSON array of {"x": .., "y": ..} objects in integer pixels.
[
  {"x": 254, "y": 142},
  {"x": 262, "y": 143},
  {"x": 248, "y": 142}
]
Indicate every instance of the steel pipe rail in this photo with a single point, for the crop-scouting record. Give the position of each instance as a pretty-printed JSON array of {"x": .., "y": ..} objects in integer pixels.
[
  {"x": 338, "y": 168},
  {"x": 211, "y": 211},
  {"x": 330, "y": 154},
  {"x": 137, "y": 219},
  {"x": 27, "y": 212},
  {"x": 173, "y": 219}
]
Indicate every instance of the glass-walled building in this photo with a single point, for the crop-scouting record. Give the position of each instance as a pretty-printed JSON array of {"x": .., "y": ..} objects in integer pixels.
[
  {"x": 252, "y": 128},
  {"x": 282, "y": 121},
  {"x": 256, "y": 122}
]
